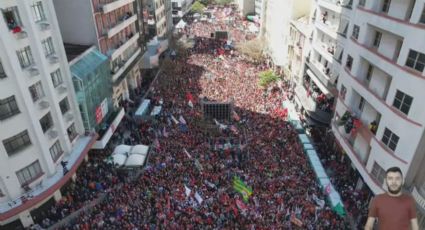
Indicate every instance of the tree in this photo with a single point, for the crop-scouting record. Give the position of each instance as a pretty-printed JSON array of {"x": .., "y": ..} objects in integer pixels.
[
  {"x": 266, "y": 78},
  {"x": 253, "y": 49},
  {"x": 197, "y": 7}
]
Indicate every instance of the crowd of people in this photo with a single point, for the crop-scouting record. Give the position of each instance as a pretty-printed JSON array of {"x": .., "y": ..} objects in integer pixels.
[
  {"x": 187, "y": 181},
  {"x": 341, "y": 173}
]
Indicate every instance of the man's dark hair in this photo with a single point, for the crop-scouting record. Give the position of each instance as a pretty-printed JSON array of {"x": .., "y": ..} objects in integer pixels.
[{"x": 394, "y": 169}]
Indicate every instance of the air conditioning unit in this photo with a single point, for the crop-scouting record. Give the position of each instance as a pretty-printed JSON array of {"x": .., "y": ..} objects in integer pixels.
[
  {"x": 69, "y": 116},
  {"x": 52, "y": 134},
  {"x": 53, "y": 59},
  {"x": 43, "y": 104},
  {"x": 44, "y": 25},
  {"x": 33, "y": 70}
]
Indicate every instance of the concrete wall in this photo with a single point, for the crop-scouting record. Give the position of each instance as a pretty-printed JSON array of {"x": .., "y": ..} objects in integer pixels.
[{"x": 76, "y": 21}]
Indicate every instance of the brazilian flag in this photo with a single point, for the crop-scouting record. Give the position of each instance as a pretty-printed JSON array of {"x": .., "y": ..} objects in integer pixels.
[{"x": 242, "y": 188}]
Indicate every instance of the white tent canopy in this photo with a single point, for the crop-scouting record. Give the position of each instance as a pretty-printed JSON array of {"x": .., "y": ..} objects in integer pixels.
[
  {"x": 156, "y": 110},
  {"x": 130, "y": 156},
  {"x": 181, "y": 24},
  {"x": 122, "y": 149}
]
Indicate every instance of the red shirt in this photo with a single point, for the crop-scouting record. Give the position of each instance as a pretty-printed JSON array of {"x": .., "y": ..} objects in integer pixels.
[{"x": 393, "y": 213}]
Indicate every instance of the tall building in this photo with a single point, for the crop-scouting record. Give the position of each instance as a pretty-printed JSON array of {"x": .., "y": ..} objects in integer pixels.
[
  {"x": 180, "y": 8},
  {"x": 159, "y": 18},
  {"x": 113, "y": 27},
  {"x": 373, "y": 53},
  {"x": 40, "y": 127},
  {"x": 275, "y": 26}
]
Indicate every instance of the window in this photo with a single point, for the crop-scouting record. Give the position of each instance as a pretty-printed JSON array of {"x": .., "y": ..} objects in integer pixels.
[
  {"x": 362, "y": 3},
  {"x": 416, "y": 60},
  {"x": 390, "y": 139},
  {"x": 343, "y": 91},
  {"x": 361, "y": 104},
  {"x": 386, "y": 6},
  {"x": 46, "y": 122},
  {"x": 48, "y": 46},
  {"x": 56, "y": 78},
  {"x": 72, "y": 132},
  {"x": 38, "y": 12},
  {"x": 11, "y": 17},
  {"x": 2, "y": 73},
  {"x": 8, "y": 107},
  {"x": 56, "y": 151},
  {"x": 422, "y": 19},
  {"x": 377, "y": 39},
  {"x": 64, "y": 105},
  {"x": 25, "y": 57},
  {"x": 378, "y": 173},
  {"x": 356, "y": 30},
  {"x": 369, "y": 73},
  {"x": 349, "y": 62},
  {"x": 36, "y": 91},
  {"x": 402, "y": 102},
  {"x": 16, "y": 143},
  {"x": 29, "y": 173}
]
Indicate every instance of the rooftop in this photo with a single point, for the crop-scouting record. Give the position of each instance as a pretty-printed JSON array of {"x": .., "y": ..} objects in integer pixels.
[{"x": 74, "y": 50}]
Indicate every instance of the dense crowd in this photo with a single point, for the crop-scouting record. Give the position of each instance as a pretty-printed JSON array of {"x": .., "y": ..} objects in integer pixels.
[{"x": 187, "y": 182}]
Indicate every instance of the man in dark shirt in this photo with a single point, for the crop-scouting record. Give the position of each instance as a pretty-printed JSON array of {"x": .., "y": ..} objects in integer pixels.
[{"x": 393, "y": 210}]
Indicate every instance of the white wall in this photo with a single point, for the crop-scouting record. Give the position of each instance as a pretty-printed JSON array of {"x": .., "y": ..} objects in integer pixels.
[{"x": 76, "y": 21}]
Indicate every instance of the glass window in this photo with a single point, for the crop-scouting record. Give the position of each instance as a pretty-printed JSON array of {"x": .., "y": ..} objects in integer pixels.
[
  {"x": 390, "y": 139},
  {"x": 16, "y": 143},
  {"x": 29, "y": 173},
  {"x": 72, "y": 132},
  {"x": 46, "y": 122},
  {"x": 36, "y": 91},
  {"x": 416, "y": 60},
  {"x": 11, "y": 17},
  {"x": 25, "y": 57},
  {"x": 361, "y": 103},
  {"x": 402, "y": 102},
  {"x": 386, "y": 6},
  {"x": 2, "y": 73},
  {"x": 56, "y": 78},
  {"x": 422, "y": 19},
  {"x": 48, "y": 46},
  {"x": 8, "y": 107},
  {"x": 349, "y": 62},
  {"x": 38, "y": 12},
  {"x": 356, "y": 30},
  {"x": 378, "y": 173},
  {"x": 56, "y": 151},
  {"x": 64, "y": 105},
  {"x": 377, "y": 39}
]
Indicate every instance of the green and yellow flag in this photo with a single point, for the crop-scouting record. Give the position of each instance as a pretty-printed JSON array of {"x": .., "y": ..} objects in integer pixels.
[{"x": 242, "y": 188}]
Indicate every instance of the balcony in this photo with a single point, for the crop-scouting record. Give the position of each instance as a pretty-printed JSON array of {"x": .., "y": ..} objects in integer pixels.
[
  {"x": 373, "y": 184},
  {"x": 117, "y": 73},
  {"x": 110, "y": 5},
  {"x": 52, "y": 183},
  {"x": 44, "y": 25},
  {"x": 53, "y": 59},
  {"x": 319, "y": 73},
  {"x": 382, "y": 62},
  {"x": 336, "y": 5},
  {"x": 43, "y": 104},
  {"x": 310, "y": 105},
  {"x": 127, "y": 20},
  {"x": 114, "y": 53},
  {"x": 32, "y": 70},
  {"x": 328, "y": 28}
]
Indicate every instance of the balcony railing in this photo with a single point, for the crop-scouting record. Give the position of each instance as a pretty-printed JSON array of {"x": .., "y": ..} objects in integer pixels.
[
  {"x": 110, "y": 5},
  {"x": 420, "y": 200},
  {"x": 126, "y": 20}
]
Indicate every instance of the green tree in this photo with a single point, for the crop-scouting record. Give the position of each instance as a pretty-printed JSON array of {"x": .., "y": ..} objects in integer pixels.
[
  {"x": 266, "y": 78},
  {"x": 253, "y": 49},
  {"x": 197, "y": 7}
]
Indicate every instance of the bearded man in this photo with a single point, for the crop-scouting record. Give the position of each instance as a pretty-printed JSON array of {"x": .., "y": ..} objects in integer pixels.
[{"x": 393, "y": 210}]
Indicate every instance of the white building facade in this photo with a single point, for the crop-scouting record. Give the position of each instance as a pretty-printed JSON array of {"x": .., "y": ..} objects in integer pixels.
[
  {"x": 373, "y": 52},
  {"x": 40, "y": 125}
]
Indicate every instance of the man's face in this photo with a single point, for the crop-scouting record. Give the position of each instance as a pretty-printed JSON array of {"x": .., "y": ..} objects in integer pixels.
[{"x": 394, "y": 182}]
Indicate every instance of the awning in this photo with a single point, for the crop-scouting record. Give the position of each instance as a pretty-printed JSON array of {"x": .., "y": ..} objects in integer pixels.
[
  {"x": 156, "y": 110},
  {"x": 143, "y": 108},
  {"x": 319, "y": 84},
  {"x": 140, "y": 149},
  {"x": 135, "y": 160},
  {"x": 122, "y": 149},
  {"x": 118, "y": 159}
]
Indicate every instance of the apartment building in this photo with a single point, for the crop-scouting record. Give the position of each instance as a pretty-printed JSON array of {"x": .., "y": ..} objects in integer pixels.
[
  {"x": 275, "y": 26},
  {"x": 159, "y": 18},
  {"x": 113, "y": 27},
  {"x": 179, "y": 9},
  {"x": 373, "y": 53},
  {"x": 38, "y": 112}
]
